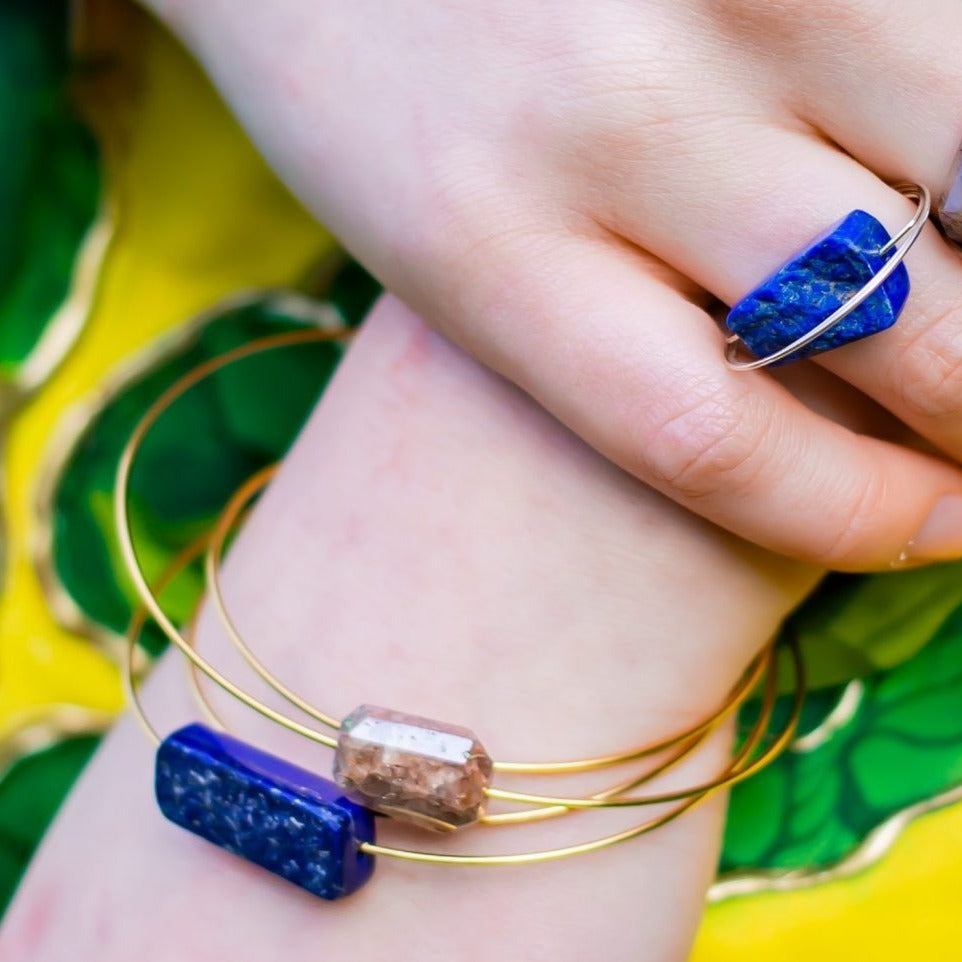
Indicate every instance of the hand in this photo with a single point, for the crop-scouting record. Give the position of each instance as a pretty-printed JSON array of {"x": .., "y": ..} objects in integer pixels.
[
  {"x": 435, "y": 542},
  {"x": 559, "y": 187}
]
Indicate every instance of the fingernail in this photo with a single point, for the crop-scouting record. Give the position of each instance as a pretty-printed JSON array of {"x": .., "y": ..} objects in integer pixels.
[
  {"x": 949, "y": 207},
  {"x": 940, "y": 537}
]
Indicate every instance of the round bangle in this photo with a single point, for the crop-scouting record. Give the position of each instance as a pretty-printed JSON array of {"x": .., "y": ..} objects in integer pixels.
[
  {"x": 193, "y": 757},
  {"x": 741, "y": 768},
  {"x": 212, "y": 562},
  {"x": 228, "y": 520}
]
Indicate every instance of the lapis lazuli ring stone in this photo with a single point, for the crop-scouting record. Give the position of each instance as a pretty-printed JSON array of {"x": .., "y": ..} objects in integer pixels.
[{"x": 847, "y": 284}]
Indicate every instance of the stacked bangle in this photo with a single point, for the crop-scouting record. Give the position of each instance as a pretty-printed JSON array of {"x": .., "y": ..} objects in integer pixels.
[{"x": 320, "y": 834}]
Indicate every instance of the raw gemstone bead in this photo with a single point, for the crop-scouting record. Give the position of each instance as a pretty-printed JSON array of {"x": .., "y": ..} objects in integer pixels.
[
  {"x": 810, "y": 287},
  {"x": 414, "y": 769},
  {"x": 270, "y": 812},
  {"x": 950, "y": 204}
]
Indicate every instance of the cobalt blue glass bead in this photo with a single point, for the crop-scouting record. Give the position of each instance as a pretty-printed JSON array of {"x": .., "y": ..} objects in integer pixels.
[
  {"x": 270, "y": 812},
  {"x": 813, "y": 285}
]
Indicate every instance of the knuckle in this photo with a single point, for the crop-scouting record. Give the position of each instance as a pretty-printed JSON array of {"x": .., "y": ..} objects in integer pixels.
[
  {"x": 711, "y": 444},
  {"x": 855, "y": 517},
  {"x": 929, "y": 373},
  {"x": 786, "y": 17}
]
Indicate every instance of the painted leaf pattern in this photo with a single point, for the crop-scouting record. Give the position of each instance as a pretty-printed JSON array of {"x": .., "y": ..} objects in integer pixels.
[
  {"x": 31, "y": 791},
  {"x": 902, "y": 745},
  {"x": 49, "y": 174},
  {"x": 903, "y": 632},
  {"x": 199, "y": 453}
]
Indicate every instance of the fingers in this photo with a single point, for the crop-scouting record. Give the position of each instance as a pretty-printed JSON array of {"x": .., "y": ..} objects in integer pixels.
[
  {"x": 879, "y": 78},
  {"x": 737, "y": 215},
  {"x": 636, "y": 369},
  {"x": 889, "y": 97},
  {"x": 681, "y": 142}
]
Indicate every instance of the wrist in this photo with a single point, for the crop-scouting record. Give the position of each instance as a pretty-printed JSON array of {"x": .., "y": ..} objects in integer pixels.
[{"x": 437, "y": 544}]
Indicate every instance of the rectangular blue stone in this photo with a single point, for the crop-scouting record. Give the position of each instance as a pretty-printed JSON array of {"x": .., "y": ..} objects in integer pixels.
[
  {"x": 272, "y": 813},
  {"x": 813, "y": 285}
]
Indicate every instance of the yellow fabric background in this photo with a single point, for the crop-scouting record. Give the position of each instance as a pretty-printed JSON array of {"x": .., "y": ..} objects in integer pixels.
[
  {"x": 907, "y": 908},
  {"x": 201, "y": 217}
]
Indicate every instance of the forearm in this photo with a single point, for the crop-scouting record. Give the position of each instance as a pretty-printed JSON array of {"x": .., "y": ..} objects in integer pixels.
[{"x": 437, "y": 544}]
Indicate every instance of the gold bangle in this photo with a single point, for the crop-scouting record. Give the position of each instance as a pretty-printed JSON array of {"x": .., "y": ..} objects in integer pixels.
[
  {"x": 740, "y": 768},
  {"x": 186, "y": 755},
  {"x": 226, "y": 523}
]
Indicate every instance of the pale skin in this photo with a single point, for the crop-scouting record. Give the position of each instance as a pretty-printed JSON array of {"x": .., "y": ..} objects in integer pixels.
[
  {"x": 561, "y": 187},
  {"x": 435, "y": 542}
]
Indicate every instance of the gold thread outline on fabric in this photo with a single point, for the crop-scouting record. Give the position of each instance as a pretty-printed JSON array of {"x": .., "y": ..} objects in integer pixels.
[{"x": 78, "y": 419}]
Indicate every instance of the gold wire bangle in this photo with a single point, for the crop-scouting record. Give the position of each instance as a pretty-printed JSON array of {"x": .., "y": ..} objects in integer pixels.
[
  {"x": 753, "y": 737},
  {"x": 227, "y": 522},
  {"x": 549, "y": 811},
  {"x": 192, "y": 551},
  {"x": 203, "y": 703},
  {"x": 779, "y": 744},
  {"x": 752, "y": 740},
  {"x": 122, "y": 519},
  {"x": 135, "y": 627},
  {"x": 740, "y": 767},
  {"x": 740, "y": 771},
  {"x": 122, "y": 515}
]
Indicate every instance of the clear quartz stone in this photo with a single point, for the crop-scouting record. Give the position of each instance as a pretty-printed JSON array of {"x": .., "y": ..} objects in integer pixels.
[{"x": 414, "y": 769}]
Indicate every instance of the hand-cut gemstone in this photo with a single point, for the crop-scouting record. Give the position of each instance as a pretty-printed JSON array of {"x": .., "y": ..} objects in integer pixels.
[
  {"x": 413, "y": 769},
  {"x": 270, "y": 812},
  {"x": 950, "y": 204},
  {"x": 812, "y": 286}
]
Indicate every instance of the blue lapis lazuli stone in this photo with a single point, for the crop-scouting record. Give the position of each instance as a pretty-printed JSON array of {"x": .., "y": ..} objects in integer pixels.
[
  {"x": 812, "y": 286},
  {"x": 272, "y": 813}
]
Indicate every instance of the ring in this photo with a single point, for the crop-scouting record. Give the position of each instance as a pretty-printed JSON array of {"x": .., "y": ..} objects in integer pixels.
[{"x": 847, "y": 284}]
